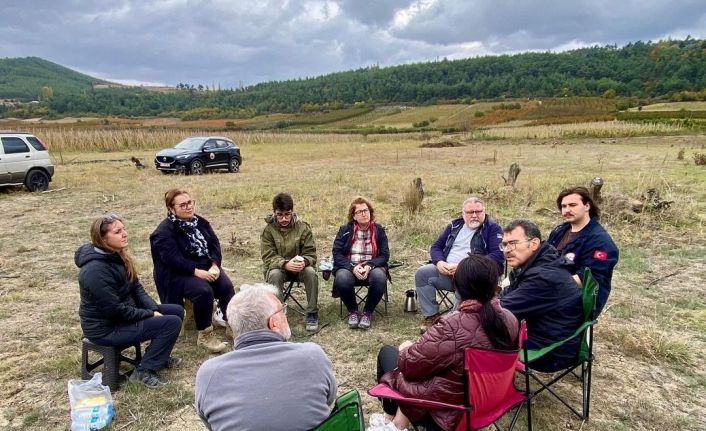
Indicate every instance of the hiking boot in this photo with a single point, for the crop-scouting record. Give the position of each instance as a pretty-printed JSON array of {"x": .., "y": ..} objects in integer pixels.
[
  {"x": 428, "y": 322},
  {"x": 173, "y": 362},
  {"x": 353, "y": 319},
  {"x": 207, "y": 339},
  {"x": 364, "y": 321},
  {"x": 229, "y": 332},
  {"x": 148, "y": 378},
  {"x": 312, "y": 321}
]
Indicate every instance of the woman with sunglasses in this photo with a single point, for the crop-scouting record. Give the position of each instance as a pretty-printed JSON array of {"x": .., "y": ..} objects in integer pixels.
[
  {"x": 187, "y": 265},
  {"x": 115, "y": 310},
  {"x": 360, "y": 255}
]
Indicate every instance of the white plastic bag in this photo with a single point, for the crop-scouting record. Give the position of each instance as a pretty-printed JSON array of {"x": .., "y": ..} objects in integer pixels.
[{"x": 91, "y": 404}]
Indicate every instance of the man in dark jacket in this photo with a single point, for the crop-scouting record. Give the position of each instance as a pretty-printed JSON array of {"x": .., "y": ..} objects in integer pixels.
[
  {"x": 584, "y": 242},
  {"x": 475, "y": 232},
  {"x": 542, "y": 292}
]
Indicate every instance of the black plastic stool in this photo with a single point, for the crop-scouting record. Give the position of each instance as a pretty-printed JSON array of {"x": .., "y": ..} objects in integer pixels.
[{"x": 111, "y": 357}]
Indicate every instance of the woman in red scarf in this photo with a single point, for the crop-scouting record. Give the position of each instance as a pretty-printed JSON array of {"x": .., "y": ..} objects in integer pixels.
[{"x": 360, "y": 255}]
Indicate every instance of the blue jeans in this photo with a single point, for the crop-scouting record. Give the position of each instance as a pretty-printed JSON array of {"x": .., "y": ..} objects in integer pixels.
[
  {"x": 345, "y": 283},
  {"x": 426, "y": 280},
  {"x": 161, "y": 331}
]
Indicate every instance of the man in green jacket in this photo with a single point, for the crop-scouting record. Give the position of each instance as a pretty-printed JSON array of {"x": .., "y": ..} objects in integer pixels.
[{"x": 289, "y": 254}]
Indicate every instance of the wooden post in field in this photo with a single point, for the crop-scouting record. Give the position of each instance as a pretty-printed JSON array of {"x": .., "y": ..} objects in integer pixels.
[
  {"x": 512, "y": 174},
  {"x": 595, "y": 189}
]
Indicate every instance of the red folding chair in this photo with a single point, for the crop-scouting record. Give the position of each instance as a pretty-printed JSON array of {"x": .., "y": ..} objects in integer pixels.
[{"x": 489, "y": 387}]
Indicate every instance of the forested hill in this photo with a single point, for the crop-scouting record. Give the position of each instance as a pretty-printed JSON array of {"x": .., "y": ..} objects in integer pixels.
[
  {"x": 24, "y": 78},
  {"x": 644, "y": 70}
]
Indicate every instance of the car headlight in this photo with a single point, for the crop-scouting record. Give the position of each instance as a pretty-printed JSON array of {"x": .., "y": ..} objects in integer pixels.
[{"x": 183, "y": 157}]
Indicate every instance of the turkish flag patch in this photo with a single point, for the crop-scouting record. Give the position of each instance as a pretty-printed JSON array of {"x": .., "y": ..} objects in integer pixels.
[{"x": 600, "y": 255}]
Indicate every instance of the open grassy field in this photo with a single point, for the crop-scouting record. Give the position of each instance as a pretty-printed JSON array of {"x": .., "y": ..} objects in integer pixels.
[
  {"x": 650, "y": 369},
  {"x": 674, "y": 106}
]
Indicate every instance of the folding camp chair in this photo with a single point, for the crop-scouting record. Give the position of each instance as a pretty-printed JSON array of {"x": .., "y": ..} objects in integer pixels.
[
  {"x": 584, "y": 357},
  {"x": 445, "y": 298},
  {"x": 288, "y": 294},
  {"x": 489, "y": 388},
  {"x": 347, "y": 414},
  {"x": 361, "y": 296}
]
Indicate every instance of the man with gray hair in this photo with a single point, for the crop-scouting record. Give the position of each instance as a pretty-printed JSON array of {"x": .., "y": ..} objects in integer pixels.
[
  {"x": 473, "y": 233},
  {"x": 265, "y": 382}
]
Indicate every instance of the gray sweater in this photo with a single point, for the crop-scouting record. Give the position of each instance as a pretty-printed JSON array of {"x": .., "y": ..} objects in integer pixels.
[{"x": 265, "y": 383}]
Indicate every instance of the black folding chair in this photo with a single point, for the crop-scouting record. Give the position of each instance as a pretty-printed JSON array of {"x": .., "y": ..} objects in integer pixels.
[
  {"x": 361, "y": 295},
  {"x": 445, "y": 298},
  {"x": 288, "y": 293}
]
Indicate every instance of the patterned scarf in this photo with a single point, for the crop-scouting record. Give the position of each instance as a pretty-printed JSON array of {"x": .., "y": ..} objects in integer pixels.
[{"x": 197, "y": 243}]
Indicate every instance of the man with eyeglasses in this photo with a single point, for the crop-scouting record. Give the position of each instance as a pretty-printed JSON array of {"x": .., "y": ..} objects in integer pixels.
[
  {"x": 584, "y": 242},
  {"x": 473, "y": 233},
  {"x": 542, "y": 292},
  {"x": 289, "y": 254},
  {"x": 266, "y": 382}
]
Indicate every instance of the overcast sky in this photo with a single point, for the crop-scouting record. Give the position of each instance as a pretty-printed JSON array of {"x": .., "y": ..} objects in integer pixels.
[{"x": 228, "y": 42}]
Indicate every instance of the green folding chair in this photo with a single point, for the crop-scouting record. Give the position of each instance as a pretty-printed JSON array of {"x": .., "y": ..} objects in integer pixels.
[
  {"x": 584, "y": 356},
  {"x": 347, "y": 414}
]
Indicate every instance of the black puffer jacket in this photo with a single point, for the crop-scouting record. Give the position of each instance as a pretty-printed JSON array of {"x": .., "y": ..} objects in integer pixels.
[{"x": 108, "y": 298}]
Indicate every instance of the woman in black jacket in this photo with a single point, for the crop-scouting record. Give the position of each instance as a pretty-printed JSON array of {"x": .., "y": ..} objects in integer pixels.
[
  {"x": 115, "y": 310},
  {"x": 187, "y": 265},
  {"x": 360, "y": 255}
]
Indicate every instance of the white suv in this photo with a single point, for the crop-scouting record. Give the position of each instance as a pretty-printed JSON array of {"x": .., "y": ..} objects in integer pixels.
[{"x": 24, "y": 160}]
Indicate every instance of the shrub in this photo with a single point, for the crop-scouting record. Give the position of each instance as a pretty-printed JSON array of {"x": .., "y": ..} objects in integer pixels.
[{"x": 700, "y": 159}]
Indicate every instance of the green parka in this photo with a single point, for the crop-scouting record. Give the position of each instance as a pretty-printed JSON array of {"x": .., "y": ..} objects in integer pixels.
[{"x": 279, "y": 244}]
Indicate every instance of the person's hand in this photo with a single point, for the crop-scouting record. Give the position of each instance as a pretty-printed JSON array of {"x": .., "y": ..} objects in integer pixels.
[
  {"x": 215, "y": 271},
  {"x": 294, "y": 266},
  {"x": 452, "y": 268},
  {"x": 405, "y": 344},
  {"x": 443, "y": 268},
  {"x": 204, "y": 275},
  {"x": 360, "y": 272},
  {"x": 157, "y": 314}
]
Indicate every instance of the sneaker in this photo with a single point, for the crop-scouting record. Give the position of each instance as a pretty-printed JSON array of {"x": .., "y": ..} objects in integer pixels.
[
  {"x": 218, "y": 319},
  {"x": 364, "y": 321},
  {"x": 312, "y": 321},
  {"x": 173, "y": 362},
  {"x": 353, "y": 319},
  {"x": 148, "y": 378}
]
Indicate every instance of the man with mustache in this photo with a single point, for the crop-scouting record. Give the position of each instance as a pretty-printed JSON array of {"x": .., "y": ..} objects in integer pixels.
[
  {"x": 473, "y": 233},
  {"x": 584, "y": 242}
]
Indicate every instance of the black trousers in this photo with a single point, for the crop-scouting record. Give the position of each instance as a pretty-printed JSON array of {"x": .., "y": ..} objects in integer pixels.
[
  {"x": 201, "y": 294},
  {"x": 162, "y": 332},
  {"x": 387, "y": 361},
  {"x": 345, "y": 282}
]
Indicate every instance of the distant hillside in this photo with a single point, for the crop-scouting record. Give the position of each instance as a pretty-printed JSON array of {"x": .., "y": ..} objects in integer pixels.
[
  {"x": 23, "y": 78},
  {"x": 671, "y": 70}
]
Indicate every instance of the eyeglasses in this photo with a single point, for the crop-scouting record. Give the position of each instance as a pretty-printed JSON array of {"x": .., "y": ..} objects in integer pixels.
[
  {"x": 185, "y": 205},
  {"x": 287, "y": 214},
  {"x": 283, "y": 309},
  {"x": 361, "y": 212},
  {"x": 471, "y": 213},
  {"x": 509, "y": 246}
]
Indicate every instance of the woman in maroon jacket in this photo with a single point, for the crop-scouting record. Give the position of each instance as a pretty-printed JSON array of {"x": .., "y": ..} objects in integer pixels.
[{"x": 432, "y": 367}]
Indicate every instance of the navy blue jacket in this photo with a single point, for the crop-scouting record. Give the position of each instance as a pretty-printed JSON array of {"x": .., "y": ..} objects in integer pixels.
[
  {"x": 543, "y": 293},
  {"x": 592, "y": 248},
  {"x": 487, "y": 243},
  {"x": 108, "y": 298},
  {"x": 344, "y": 241},
  {"x": 171, "y": 261}
]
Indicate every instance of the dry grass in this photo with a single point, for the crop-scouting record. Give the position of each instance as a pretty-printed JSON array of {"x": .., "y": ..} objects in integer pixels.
[
  {"x": 673, "y": 106},
  {"x": 604, "y": 129},
  {"x": 649, "y": 372}
]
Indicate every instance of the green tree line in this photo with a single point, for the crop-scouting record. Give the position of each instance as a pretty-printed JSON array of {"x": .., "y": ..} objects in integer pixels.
[{"x": 637, "y": 70}]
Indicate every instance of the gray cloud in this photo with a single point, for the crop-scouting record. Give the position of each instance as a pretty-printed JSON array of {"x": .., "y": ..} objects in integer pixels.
[{"x": 228, "y": 42}]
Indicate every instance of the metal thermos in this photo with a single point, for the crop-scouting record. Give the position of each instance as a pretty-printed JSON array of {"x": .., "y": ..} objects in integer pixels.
[{"x": 410, "y": 301}]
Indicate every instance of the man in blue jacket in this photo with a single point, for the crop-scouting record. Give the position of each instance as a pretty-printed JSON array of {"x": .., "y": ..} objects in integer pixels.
[
  {"x": 541, "y": 292},
  {"x": 584, "y": 242},
  {"x": 472, "y": 233}
]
